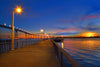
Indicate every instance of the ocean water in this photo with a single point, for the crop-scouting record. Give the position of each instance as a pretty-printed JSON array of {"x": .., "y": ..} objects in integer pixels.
[{"x": 86, "y": 51}]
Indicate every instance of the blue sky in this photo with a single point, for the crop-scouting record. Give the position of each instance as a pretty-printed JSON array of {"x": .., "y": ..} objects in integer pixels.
[{"x": 64, "y": 17}]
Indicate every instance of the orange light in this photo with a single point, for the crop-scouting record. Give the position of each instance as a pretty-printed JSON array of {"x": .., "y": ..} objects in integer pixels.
[
  {"x": 89, "y": 34},
  {"x": 18, "y": 9}
]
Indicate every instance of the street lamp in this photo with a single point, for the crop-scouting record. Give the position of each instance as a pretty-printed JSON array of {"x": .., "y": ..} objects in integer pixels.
[{"x": 18, "y": 10}]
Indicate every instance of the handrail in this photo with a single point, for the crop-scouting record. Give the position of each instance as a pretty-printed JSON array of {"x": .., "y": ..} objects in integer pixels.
[
  {"x": 74, "y": 62},
  {"x": 5, "y": 45}
]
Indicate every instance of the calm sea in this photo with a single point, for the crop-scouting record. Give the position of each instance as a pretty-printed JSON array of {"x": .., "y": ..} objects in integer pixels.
[{"x": 86, "y": 51}]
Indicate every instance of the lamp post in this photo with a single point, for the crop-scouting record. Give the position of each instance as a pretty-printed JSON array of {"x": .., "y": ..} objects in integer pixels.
[{"x": 18, "y": 9}]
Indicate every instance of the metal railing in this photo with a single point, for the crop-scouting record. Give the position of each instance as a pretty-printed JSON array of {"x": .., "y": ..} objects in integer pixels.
[
  {"x": 60, "y": 52},
  {"x": 5, "y": 45},
  {"x": 5, "y": 38}
]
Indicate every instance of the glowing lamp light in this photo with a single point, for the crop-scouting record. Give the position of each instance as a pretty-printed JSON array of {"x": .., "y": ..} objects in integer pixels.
[
  {"x": 18, "y": 9},
  {"x": 41, "y": 30}
]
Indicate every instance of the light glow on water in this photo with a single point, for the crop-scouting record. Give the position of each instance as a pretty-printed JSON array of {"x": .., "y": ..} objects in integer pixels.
[
  {"x": 86, "y": 51},
  {"x": 62, "y": 44}
]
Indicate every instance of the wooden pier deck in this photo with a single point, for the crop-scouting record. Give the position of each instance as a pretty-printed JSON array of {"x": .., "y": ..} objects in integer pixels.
[{"x": 40, "y": 54}]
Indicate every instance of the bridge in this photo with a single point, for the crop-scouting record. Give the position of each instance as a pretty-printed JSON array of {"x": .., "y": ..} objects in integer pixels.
[{"x": 32, "y": 50}]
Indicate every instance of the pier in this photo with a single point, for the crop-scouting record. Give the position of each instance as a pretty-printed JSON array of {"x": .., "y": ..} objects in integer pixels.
[
  {"x": 34, "y": 50},
  {"x": 40, "y": 54},
  {"x": 49, "y": 33}
]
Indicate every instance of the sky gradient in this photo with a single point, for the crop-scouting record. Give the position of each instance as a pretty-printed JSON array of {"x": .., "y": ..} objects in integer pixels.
[{"x": 64, "y": 17}]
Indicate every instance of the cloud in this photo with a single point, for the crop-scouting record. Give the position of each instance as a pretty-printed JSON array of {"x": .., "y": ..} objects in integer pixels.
[
  {"x": 93, "y": 10},
  {"x": 70, "y": 21},
  {"x": 66, "y": 33},
  {"x": 92, "y": 17},
  {"x": 80, "y": 19},
  {"x": 65, "y": 21},
  {"x": 69, "y": 30}
]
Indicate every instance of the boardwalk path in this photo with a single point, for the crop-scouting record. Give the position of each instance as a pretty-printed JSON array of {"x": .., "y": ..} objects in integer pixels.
[{"x": 40, "y": 54}]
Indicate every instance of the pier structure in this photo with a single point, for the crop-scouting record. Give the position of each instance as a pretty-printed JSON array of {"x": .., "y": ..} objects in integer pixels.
[{"x": 34, "y": 51}]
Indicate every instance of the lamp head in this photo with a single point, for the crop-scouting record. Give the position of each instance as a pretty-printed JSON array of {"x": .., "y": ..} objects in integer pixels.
[{"x": 18, "y": 10}]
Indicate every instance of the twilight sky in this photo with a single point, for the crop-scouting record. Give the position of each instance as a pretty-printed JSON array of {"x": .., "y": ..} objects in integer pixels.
[{"x": 65, "y": 17}]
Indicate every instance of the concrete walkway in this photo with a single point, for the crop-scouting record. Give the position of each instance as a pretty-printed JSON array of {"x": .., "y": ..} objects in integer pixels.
[{"x": 40, "y": 54}]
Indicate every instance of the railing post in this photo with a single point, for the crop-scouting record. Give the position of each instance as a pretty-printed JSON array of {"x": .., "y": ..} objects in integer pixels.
[
  {"x": 31, "y": 39},
  {"x": 4, "y": 45},
  {"x": 57, "y": 54},
  {"x": 16, "y": 34},
  {"x": 16, "y": 38},
  {"x": 4, "y": 49},
  {"x": 26, "y": 38},
  {"x": 8, "y": 45},
  {"x": 17, "y": 45},
  {"x": 61, "y": 59},
  {"x": 33, "y": 36},
  {"x": 22, "y": 43}
]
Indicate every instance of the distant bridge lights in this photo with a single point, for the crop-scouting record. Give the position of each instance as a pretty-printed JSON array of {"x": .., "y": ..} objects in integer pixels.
[
  {"x": 5, "y": 24},
  {"x": 9, "y": 25}
]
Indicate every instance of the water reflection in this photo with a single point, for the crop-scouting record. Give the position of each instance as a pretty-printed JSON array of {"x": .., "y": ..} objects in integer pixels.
[
  {"x": 91, "y": 45},
  {"x": 83, "y": 44},
  {"x": 87, "y": 44},
  {"x": 84, "y": 50}
]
